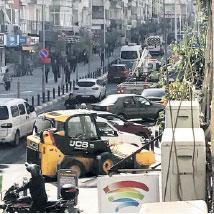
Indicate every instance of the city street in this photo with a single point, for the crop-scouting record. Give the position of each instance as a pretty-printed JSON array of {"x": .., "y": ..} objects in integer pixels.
[{"x": 31, "y": 85}]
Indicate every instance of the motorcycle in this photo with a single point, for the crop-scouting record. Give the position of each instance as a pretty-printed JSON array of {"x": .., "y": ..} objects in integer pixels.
[{"x": 12, "y": 202}]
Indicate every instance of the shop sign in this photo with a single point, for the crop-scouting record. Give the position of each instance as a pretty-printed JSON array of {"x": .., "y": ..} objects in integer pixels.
[
  {"x": 22, "y": 40},
  {"x": 12, "y": 41},
  {"x": 32, "y": 40}
]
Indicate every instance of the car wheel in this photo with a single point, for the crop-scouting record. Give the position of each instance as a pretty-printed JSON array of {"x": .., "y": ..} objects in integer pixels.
[
  {"x": 16, "y": 140},
  {"x": 105, "y": 163},
  {"x": 123, "y": 116}
]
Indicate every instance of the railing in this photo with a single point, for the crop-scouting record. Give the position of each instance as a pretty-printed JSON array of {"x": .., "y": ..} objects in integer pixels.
[{"x": 64, "y": 89}]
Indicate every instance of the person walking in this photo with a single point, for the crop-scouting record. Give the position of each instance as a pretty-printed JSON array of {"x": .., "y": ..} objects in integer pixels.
[
  {"x": 67, "y": 73},
  {"x": 7, "y": 80},
  {"x": 85, "y": 57},
  {"x": 47, "y": 69},
  {"x": 102, "y": 58}
]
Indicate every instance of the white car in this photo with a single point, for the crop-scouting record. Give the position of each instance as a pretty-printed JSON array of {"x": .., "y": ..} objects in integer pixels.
[
  {"x": 17, "y": 119},
  {"x": 90, "y": 88},
  {"x": 116, "y": 137}
]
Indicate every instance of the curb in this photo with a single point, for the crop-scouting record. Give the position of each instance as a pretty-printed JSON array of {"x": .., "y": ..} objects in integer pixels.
[{"x": 50, "y": 106}]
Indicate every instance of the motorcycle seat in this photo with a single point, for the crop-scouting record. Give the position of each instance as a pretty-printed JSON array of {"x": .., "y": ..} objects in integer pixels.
[{"x": 26, "y": 199}]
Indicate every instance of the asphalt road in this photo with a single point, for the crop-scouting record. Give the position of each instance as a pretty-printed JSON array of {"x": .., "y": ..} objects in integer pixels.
[{"x": 16, "y": 155}]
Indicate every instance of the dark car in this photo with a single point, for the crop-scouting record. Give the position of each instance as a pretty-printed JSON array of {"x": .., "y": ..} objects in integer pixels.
[
  {"x": 154, "y": 94},
  {"x": 125, "y": 125},
  {"x": 118, "y": 73},
  {"x": 130, "y": 106}
]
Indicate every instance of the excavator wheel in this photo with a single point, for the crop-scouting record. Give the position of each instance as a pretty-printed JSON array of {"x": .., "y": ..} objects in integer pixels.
[
  {"x": 106, "y": 161},
  {"x": 75, "y": 166}
]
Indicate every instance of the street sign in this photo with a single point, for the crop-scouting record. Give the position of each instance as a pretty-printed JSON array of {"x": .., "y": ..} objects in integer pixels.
[
  {"x": 43, "y": 53},
  {"x": 46, "y": 61}
]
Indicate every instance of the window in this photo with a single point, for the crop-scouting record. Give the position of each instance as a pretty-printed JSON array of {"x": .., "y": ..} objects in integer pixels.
[
  {"x": 14, "y": 111},
  {"x": 129, "y": 101},
  {"x": 86, "y": 84},
  {"x": 105, "y": 129},
  {"x": 129, "y": 55},
  {"x": 4, "y": 114},
  {"x": 27, "y": 107},
  {"x": 82, "y": 128},
  {"x": 21, "y": 109},
  {"x": 142, "y": 101}
]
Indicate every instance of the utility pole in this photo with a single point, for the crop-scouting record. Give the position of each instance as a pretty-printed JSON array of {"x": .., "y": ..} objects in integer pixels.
[
  {"x": 176, "y": 31},
  {"x": 104, "y": 34},
  {"x": 90, "y": 36},
  {"x": 43, "y": 44},
  {"x": 165, "y": 33}
]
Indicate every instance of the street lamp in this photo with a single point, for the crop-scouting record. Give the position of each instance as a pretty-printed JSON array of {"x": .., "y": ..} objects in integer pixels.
[{"x": 43, "y": 44}]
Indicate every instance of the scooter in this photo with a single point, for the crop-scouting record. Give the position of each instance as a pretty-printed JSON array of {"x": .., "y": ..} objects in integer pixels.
[{"x": 12, "y": 202}]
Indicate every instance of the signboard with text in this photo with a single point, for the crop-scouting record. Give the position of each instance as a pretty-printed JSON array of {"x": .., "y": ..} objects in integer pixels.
[
  {"x": 22, "y": 40},
  {"x": 66, "y": 176},
  {"x": 12, "y": 41}
]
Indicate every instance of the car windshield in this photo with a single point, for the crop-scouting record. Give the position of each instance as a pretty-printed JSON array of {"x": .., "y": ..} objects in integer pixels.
[
  {"x": 117, "y": 68},
  {"x": 153, "y": 93},
  {"x": 82, "y": 128},
  {"x": 4, "y": 114},
  {"x": 109, "y": 100},
  {"x": 85, "y": 84},
  {"x": 129, "y": 55},
  {"x": 129, "y": 64}
]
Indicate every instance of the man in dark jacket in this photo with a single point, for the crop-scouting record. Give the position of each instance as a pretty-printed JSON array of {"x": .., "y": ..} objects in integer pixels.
[
  {"x": 71, "y": 102},
  {"x": 36, "y": 185}
]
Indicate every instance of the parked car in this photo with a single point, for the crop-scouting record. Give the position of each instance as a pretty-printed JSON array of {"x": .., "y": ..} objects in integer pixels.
[
  {"x": 129, "y": 106},
  {"x": 155, "y": 94},
  {"x": 125, "y": 125},
  {"x": 116, "y": 137},
  {"x": 17, "y": 119},
  {"x": 90, "y": 88},
  {"x": 118, "y": 73}
]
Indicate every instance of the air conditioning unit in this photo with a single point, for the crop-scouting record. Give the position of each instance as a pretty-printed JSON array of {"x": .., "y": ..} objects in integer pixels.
[
  {"x": 183, "y": 111},
  {"x": 184, "y": 174}
]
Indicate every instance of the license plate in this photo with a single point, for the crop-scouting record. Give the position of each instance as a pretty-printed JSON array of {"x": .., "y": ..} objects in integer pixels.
[{"x": 86, "y": 96}]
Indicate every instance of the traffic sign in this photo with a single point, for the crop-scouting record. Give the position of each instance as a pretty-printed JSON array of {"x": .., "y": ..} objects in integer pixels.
[{"x": 43, "y": 53}]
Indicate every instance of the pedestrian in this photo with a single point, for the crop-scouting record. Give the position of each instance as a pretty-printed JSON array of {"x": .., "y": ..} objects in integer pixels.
[
  {"x": 7, "y": 80},
  {"x": 71, "y": 102},
  {"x": 73, "y": 63},
  {"x": 54, "y": 70},
  {"x": 47, "y": 69},
  {"x": 102, "y": 58},
  {"x": 67, "y": 73},
  {"x": 85, "y": 57}
]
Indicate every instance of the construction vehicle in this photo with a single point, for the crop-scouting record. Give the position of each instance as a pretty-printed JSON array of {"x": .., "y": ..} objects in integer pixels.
[{"x": 70, "y": 139}]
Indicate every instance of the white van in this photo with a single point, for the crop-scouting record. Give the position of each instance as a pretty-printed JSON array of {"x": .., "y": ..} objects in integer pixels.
[
  {"x": 131, "y": 52},
  {"x": 17, "y": 119}
]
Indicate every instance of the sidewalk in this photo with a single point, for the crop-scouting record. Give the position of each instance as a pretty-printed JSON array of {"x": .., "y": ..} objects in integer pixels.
[{"x": 32, "y": 85}]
